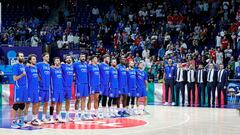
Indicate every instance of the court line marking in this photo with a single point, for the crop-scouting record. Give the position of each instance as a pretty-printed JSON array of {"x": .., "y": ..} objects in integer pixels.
[{"x": 161, "y": 128}]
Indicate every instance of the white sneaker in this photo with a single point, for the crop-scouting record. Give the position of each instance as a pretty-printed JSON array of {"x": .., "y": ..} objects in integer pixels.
[
  {"x": 173, "y": 103},
  {"x": 136, "y": 112},
  {"x": 89, "y": 117},
  {"x": 100, "y": 115},
  {"x": 116, "y": 114},
  {"x": 50, "y": 121},
  {"x": 60, "y": 120},
  {"x": 106, "y": 115},
  {"x": 166, "y": 103},
  {"x": 44, "y": 120}
]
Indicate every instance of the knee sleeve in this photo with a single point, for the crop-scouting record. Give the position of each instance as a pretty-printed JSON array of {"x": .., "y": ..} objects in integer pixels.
[
  {"x": 132, "y": 100},
  {"x": 128, "y": 100},
  {"x": 114, "y": 101},
  {"x": 15, "y": 107},
  {"x": 110, "y": 102},
  {"x": 104, "y": 101},
  {"x": 51, "y": 110},
  {"x": 22, "y": 106},
  {"x": 100, "y": 98}
]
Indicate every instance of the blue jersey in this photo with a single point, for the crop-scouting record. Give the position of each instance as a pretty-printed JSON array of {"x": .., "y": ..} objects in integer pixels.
[
  {"x": 67, "y": 73},
  {"x": 32, "y": 77},
  {"x": 56, "y": 80},
  {"x": 81, "y": 72},
  {"x": 141, "y": 79},
  {"x": 44, "y": 74},
  {"x": 131, "y": 75},
  {"x": 104, "y": 73},
  {"x": 94, "y": 75},
  {"x": 169, "y": 72},
  {"x": 113, "y": 78},
  {"x": 18, "y": 69},
  {"x": 122, "y": 76}
]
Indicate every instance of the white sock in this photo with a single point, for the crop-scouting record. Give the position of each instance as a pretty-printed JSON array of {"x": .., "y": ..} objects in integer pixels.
[
  {"x": 51, "y": 116},
  {"x": 89, "y": 112},
  {"x": 67, "y": 114},
  {"x": 57, "y": 117},
  {"x": 44, "y": 116},
  {"x": 25, "y": 117}
]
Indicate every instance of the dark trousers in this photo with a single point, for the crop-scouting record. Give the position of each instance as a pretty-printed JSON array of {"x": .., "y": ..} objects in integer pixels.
[
  {"x": 220, "y": 88},
  {"x": 191, "y": 88},
  {"x": 211, "y": 87},
  {"x": 169, "y": 83},
  {"x": 180, "y": 87},
  {"x": 201, "y": 93}
]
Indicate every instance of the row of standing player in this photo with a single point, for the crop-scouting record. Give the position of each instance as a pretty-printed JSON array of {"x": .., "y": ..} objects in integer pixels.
[{"x": 36, "y": 82}]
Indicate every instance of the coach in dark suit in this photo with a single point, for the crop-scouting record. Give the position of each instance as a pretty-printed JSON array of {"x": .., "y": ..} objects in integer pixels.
[
  {"x": 211, "y": 84},
  {"x": 222, "y": 80},
  {"x": 201, "y": 79},
  {"x": 191, "y": 84},
  {"x": 180, "y": 81},
  {"x": 169, "y": 77}
]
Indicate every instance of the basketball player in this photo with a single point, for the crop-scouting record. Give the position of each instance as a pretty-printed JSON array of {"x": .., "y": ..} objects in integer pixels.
[
  {"x": 104, "y": 85},
  {"x": 44, "y": 83},
  {"x": 114, "y": 92},
  {"x": 57, "y": 93},
  {"x": 20, "y": 90},
  {"x": 67, "y": 74},
  {"x": 82, "y": 91},
  {"x": 142, "y": 86},
  {"x": 33, "y": 94},
  {"x": 132, "y": 87},
  {"x": 123, "y": 90},
  {"x": 94, "y": 83}
]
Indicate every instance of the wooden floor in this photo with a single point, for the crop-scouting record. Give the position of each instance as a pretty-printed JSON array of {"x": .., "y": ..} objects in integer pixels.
[{"x": 163, "y": 120}]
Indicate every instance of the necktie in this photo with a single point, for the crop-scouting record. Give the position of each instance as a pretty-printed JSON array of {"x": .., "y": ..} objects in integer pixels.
[
  {"x": 190, "y": 76},
  {"x": 178, "y": 74},
  {"x": 209, "y": 75},
  {"x": 199, "y": 75},
  {"x": 219, "y": 75}
]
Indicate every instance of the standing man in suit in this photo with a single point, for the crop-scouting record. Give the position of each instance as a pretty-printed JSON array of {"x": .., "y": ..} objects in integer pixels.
[
  {"x": 191, "y": 84},
  {"x": 222, "y": 80},
  {"x": 201, "y": 84},
  {"x": 211, "y": 84},
  {"x": 168, "y": 77},
  {"x": 180, "y": 82}
]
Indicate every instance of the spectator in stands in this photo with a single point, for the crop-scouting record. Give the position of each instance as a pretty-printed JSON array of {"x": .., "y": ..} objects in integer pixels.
[
  {"x": 95, "y": 11},
  {"x": 35, "y": 40},
  {"x": 237, "y": 71},
  {"x": 145, "y": 53},
  {"x": 219, "y": 56},
  {"x": 228, "y": 54}
]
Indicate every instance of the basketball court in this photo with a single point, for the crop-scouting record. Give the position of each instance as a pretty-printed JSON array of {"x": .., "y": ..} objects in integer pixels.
[{"x": 162, "y": 120}]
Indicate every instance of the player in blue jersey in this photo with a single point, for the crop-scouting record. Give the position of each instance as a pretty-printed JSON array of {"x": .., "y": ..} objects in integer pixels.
[
  {"x": 132, "y": 87},
  {"x": 67, "y": 73},
  {"x": 94, "y": 83},
  {"x": 57, "y": 93},
  {"x": 44, "y": 83},
  {"x": 104, "y": 86},
  {"x": 114, "y": 90},
  {"x": 142, "y": 86},
  {"x": 123, "y": 87},
  {"x": 33, "y": 95},
  {"x": 20, "y": 91},
  {"x": 82, "y": 86}
]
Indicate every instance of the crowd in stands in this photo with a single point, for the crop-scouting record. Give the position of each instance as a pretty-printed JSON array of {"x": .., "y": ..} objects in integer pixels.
[{"x": 202, "y": 31}]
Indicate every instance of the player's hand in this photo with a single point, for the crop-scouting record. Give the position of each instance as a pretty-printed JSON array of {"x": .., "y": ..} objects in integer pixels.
[{"x": 24, "y": 73}]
